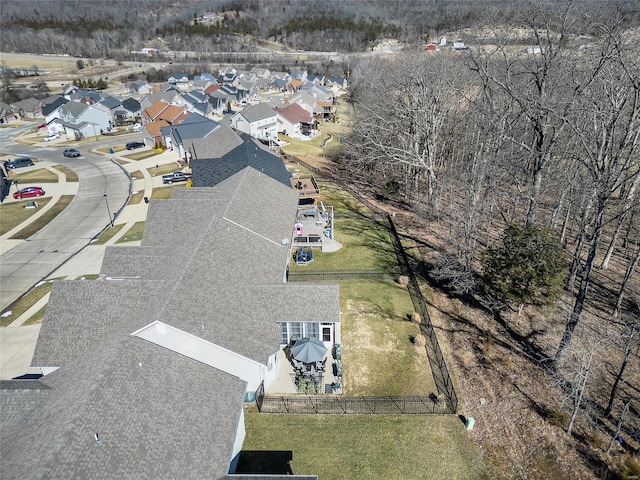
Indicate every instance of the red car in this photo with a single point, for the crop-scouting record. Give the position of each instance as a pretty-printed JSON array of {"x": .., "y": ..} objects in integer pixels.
[{"x": 28, "y": 192}]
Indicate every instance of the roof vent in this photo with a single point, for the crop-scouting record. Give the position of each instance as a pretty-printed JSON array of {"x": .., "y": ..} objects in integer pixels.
[{"x": 97, "y": 437}]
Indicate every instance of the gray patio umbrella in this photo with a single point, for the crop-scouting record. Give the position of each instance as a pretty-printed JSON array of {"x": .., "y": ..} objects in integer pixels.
[{"x": 308, "y": 350}]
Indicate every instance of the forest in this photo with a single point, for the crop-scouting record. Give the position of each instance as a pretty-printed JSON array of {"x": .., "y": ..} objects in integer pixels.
[
  {"x": 519, "y": 170},
  {"x": 514, "y": 166}
]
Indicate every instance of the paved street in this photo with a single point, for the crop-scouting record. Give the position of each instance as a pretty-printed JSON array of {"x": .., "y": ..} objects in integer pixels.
[{"x": 26, "y": 262}]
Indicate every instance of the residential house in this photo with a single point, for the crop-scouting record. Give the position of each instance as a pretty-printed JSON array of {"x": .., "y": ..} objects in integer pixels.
[
  {"x": 258, "y": 120},
  {"x": 7, "y": 113},
  {"x": 261, "y": 72},
  {"x": 130, "y": 110},
  {"x": 165, "y": 96},
  {"x": 85, "y": 96},
  {"x": 28, "y": 108},
  {"x": 141, "y": 87},
  {"x": 215, "y": 145},
  {"x": 316, "y": 79},
  {"x": 179, "y": 80},
  {"x": 51, "y": 109},
  {"x": 300, "y": 75},
  {"x": 112, "y": 103},
  {"x": 200, "y": 82},
  {"x": 195, "y": 126},
  {"x": 133, "y": 365},
  {"x": 158, "y": 116},
  {"x": 339, "y": 83},
  {"x": 292, "y": 118},
  {"x": 81, "y": 120}
]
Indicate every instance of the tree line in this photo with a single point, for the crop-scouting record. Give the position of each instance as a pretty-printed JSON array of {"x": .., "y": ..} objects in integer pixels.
[{"x": 525, "y": 164}]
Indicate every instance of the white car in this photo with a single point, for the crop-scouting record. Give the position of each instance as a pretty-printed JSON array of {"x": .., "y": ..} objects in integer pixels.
[{"x": 51, "y": 136}]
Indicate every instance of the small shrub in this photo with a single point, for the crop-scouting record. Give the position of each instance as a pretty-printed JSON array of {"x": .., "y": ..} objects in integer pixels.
[
  {"x": 557, "y": 418},
  {"x": 596, "y": 440},
  {"x": 403, "y": 280},
  {"x": 630, "y": 468}
]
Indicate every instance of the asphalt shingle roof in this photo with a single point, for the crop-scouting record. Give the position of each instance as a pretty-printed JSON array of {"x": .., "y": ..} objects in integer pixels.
[
  {"x": 148, "y": 407},
  {"x": 208, "y": 172}
]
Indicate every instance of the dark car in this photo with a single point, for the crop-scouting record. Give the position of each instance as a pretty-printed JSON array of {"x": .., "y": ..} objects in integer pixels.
[
  {"x": 19, "y": 162},
  {"x": 71, "y": 152},
  {"x": 134, "y": 145},
  {"x": 28, "y": 192}
]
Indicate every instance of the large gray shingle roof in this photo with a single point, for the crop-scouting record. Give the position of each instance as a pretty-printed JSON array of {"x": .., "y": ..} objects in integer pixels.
[{"x": 159, "y": 421}]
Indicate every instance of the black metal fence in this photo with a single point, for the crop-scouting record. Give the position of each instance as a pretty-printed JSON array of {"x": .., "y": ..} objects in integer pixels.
[
  {"x": 336, "y": 275},
  {"x": 344, "y": 405},
  {"x": 439, "y": 369}
]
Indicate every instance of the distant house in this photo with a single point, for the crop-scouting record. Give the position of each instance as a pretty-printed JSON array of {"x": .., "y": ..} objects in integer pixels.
[
  {"x": 259, "y": 121},
  {"x": 131, "y": 107},
  {"x": 300, "y": 75},
  {"x": 292, "y": 119},
  {"x": 337, "y": 82},
  {"x": 81, "y": 120},
  {"x": 28, "y": 108},
  {"x": 180, "y": 80},
  {"x": 7, "y": 113},
  {"x": 195, "y": 126},
  {"x": 51, "y": 109},
  {"x": 200, "y": 82},
  {"x": 431, "y": 47}
]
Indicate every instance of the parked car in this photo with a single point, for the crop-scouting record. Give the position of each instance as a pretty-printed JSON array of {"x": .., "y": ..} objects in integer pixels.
[
  {"x": 134, "y": 145},
  {"x": 19, "y": 162},
  {"x": 51, "y": 136},
  {"x": 71, "y": 152},
  {"x": 28, "y": 192},
  {"x": 175, "y": 177}
]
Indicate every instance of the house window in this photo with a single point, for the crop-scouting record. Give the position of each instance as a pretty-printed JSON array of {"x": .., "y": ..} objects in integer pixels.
[
  {"x": 284, "y": 336},
  {"x": 326, "y": 332},
  {"x": 312, "y": 330},
  {"x": 295, "y": 330}
]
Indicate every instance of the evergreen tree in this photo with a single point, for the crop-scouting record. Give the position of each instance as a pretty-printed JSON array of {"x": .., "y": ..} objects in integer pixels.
[{"x": 528, "y": 268}]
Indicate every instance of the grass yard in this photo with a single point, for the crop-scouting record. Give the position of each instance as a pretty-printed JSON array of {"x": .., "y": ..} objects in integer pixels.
[
  {"x": 70, "y": 175},
  {"x": 366, "y": 246},
  {"x": 133, "y": 234},
  {"x": 36, "y": 176},
  {"x": 13, "y": 214},
  {"x": 141, "y": 155},
  {"x": 25, "y": 302},
  {"x": 378, "y": 357},
  {"x": 107, "y": 234},
  {"x": 365, "y": 447},
  {"x": 136, "y": 198},
  {"x": 163, "y": 169},
  {"x": 164, "y": 193},
  {"x": 40, "y": 222}
]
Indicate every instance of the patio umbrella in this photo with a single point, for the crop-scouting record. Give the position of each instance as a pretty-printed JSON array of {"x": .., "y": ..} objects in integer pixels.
[{"x": 308, "y": 350}]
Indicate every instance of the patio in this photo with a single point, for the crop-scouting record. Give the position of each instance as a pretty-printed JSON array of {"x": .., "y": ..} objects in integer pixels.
[{"x": 285, "y": 382}]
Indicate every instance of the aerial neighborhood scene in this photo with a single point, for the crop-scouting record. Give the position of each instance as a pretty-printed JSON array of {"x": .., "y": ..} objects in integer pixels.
[{"x": 320, "y": 239}]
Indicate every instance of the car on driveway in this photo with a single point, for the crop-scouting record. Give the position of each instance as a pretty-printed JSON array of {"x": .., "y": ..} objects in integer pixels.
[
  {"x": 71, "y": 152},
  {"x": 134, "y": 145},
  {"x": 51, "y": 136},
  {"x": 28, "y": 192}
]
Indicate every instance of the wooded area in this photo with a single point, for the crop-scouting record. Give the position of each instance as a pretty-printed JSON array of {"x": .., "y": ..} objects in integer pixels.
[{"x": 548, "y": 137}]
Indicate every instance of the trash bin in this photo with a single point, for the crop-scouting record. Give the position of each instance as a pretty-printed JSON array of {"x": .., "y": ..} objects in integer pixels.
[{"x": 111, "y": 151}]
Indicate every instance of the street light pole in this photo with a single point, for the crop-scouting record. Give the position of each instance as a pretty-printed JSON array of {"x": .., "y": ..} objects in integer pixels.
[{"x": 108, "y": 210}]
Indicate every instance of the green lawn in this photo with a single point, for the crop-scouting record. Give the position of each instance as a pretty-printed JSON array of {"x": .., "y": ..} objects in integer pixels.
[
  {"x": 25, "y": 302},
  {"x": 40, "y": 222},
  {"x": 133, "y": 234},
  {"x": 378, "y": 357},
  {"x": 13, "y": 214},
  {"x": 107, "y": 234},
  {"x": 336, "y": 447},
  {"x": 141, "y": 155},
  {"x": 41, "y": 175}
]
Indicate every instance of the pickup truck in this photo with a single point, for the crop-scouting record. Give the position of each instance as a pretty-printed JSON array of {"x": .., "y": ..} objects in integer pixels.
[{"x": 175, "y": 177}]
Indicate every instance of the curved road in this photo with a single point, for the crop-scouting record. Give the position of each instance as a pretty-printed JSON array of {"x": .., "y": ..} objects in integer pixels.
[{"x": 86, "y": 216}]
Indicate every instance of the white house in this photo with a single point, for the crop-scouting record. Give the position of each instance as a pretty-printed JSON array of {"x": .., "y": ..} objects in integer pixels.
[{"x": 258, "y": 120}]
